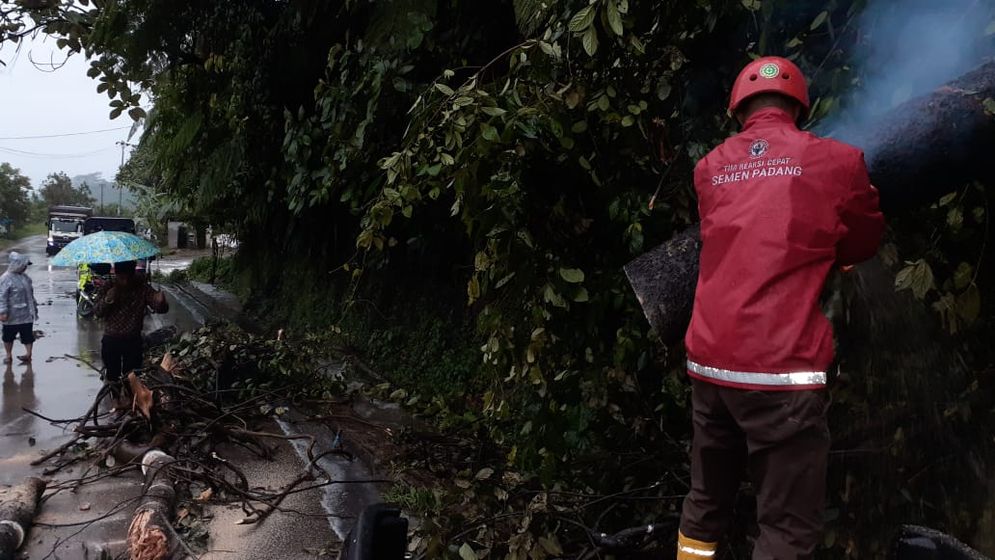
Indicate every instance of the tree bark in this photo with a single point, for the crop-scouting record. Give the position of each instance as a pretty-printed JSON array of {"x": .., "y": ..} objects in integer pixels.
[
  {"x": 150, "y": 535},
  {"x": 17, "y": 511},
  {"x": 915, "y": 153}
]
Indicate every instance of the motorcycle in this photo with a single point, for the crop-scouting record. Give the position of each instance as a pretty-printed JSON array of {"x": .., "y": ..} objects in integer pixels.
[{"x": 91, "y": 281}]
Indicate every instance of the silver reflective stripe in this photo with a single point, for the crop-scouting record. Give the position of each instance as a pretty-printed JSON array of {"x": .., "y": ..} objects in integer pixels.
[
  {"x": 759, "y": 378},
  {"x": 698, "y": 551}
]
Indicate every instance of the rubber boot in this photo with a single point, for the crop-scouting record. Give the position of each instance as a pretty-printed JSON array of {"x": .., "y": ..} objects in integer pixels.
[{"x": 690, "y": 549}]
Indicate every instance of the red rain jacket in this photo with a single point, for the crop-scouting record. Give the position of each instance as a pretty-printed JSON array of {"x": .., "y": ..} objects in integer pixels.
[{"x": 779, "y": 209}]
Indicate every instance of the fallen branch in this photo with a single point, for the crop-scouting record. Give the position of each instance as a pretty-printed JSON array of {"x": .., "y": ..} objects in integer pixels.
[{"x": 58, "y": 451}]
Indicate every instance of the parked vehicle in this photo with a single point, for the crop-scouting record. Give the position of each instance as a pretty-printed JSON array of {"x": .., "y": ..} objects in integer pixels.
[
  {"x": 102, "y": 223},
  {"x": 65, "y": 224}
]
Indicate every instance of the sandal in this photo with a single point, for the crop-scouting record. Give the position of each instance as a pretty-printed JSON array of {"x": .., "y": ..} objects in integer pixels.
[
  {"x": 7, "y": 360},
  {"x": 24, "y": 359}
]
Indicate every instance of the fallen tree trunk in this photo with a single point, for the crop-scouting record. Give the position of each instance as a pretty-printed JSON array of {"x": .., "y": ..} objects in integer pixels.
[
  {"x": 930, "y": 145},
  {"x": 17, "y": 511},
  {"x": 150, "y": 536},
  {"x": 915, "y": 153}
]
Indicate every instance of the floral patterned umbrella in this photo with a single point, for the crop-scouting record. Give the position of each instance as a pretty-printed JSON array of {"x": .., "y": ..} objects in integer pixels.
[{"x": 105, "y": 247}]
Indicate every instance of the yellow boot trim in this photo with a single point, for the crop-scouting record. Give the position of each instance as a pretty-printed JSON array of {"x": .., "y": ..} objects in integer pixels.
[{"x": 690, "y": 549}]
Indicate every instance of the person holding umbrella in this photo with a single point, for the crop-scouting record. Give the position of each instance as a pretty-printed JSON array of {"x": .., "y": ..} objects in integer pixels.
[
  {"x": 18, "y": 308},
  {"x": 122, "y": 303}
]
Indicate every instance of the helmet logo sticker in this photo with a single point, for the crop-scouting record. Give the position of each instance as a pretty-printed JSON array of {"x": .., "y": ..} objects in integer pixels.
[
  {"x": 758, "y": 148},
  {"x": 770, "y": 70}
]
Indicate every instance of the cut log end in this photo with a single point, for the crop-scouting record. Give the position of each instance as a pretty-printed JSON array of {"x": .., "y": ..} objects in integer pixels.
[
  {"x": 146, "y": 539},
  {"x": 17, "y": 511}
]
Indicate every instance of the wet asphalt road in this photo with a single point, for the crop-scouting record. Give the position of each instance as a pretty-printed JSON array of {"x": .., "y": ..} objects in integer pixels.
[{"x": 54, "y": 385}]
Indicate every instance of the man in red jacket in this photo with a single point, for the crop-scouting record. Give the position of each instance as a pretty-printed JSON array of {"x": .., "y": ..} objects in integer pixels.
[{"x": 780, "y": 209}]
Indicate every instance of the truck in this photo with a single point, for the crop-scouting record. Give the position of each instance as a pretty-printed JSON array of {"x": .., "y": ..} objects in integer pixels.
[
  {"x": 65, "y": 224},
  {"x": 107, "y": 223}
]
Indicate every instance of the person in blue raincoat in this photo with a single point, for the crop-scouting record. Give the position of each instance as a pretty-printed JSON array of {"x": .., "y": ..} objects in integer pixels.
[{"x": 18, "y": 308}]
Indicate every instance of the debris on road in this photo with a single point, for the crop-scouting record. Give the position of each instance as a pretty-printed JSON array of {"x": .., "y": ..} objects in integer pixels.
[
  {"x": 214, "y": 388},
  {"x": 17, "y": 511}
]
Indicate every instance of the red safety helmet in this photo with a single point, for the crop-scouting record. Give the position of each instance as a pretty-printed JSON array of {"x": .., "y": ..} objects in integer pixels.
[{"x": 770, "y": 74}]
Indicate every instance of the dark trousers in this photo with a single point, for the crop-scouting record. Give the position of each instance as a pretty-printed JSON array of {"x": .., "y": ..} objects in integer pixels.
[
  {"x": 120, "y": 355},
  {"x": 780, "y": 439}
]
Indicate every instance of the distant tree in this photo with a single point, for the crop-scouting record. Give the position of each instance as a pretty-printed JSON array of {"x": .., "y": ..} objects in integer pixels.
[
  {"x": 14, "y": 202},
  {"x": 113, "y": 209},
  {"x": 58, "y": 189}
]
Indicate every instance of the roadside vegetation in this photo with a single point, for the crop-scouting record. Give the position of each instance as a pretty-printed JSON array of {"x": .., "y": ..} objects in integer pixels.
[
  {"x": 448, "y": 190},
  {"x": 21, "y": 232}
]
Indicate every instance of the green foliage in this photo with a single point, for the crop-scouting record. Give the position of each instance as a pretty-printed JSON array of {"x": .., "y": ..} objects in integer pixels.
[
  {"x": 225, "y": 358},
  {"x": 492, "y": 163},
  {"x": 420, "y": 502},
  {"x": 15, "y": 206}
]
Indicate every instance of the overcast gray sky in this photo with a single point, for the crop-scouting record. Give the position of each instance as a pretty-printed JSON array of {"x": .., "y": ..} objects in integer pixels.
[{"x": 38, "y": 103}]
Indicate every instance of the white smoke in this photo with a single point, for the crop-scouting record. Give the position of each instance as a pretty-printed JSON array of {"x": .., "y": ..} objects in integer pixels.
[{"x": 907, "y": 48}]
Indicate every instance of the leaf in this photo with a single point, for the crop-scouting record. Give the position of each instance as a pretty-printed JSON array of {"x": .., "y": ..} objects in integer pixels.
[
  {"x": 591, "y": 41},
  {"x": 473, "y": 289},
  {"x": 989, "y": 105},
  {"x": 752, "y": 5},
  {"x": 963, "y": 275},
  {"x": 484, "y": 474},
  {"x": 572, "y": 99},
  {"x": 917, "y": 277},
  {"x": 955, "y": 218},
  {"x": 467, "y": 553},
  {"x": 819, "y": 20},
  {"x": 142, "y": 400},
  {"x": 445, "y": 90},
  {"x": 136, "y": 113},
  {"x": 168, "y": 363},
  {"x": 572, "y": 275},
  {"x": 614, "y": 18},
  {"x": 582, "y": 295},
  {"x": 550, "y": 296},
  {"x": 489, "y": 132},
  {"x": 582, "y": 19},
  {"x": 493, "y": 111},
  {"x": 947, "y": 199},
  {"x": 969, "y": 304},
  {"x": 504, "y": 280},
  {"x": 205, "y": 496}
]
